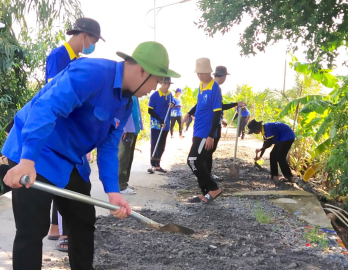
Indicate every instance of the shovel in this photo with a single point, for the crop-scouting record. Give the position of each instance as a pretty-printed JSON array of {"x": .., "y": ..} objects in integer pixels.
[
  {"x": 230, "y": 123},
  {"x": 234, "y": 169},
  {"x": 170, "y": 227},
  {"x": 159, "y": 137}
]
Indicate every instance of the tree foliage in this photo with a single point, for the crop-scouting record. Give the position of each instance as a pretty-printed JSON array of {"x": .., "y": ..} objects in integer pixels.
[
  {"x": 320, "y": 25},
  {"x": 24, "y": 46}
]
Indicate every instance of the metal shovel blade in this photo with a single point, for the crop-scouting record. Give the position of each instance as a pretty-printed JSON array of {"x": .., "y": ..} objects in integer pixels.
[
  {"x": 175, "y": 228},
  {"x": 234, "y": 172}
]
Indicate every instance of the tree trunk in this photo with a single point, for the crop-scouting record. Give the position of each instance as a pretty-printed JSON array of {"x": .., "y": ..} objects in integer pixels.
[
  {"x": 263, "y": 109},
  {"x": 297, "y": 109}
]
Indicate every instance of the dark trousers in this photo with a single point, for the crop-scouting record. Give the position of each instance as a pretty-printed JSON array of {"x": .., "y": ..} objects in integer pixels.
[
  {"x": 197, "y": 161},
  {"x": 188, "y": 123},
  {"x": 125, "y": 157},
  {"x": 173, "y": 120},
  {"x": 54, "y": 218},
  {"x": 216, "y": 141},
  {"x": 3, "y": 170},
  {"x": 31, "y": 209},
  {"x": 156, "y": 160},
  {"x": 243, "y": 122},
  {"x": 278, "y": 155}
]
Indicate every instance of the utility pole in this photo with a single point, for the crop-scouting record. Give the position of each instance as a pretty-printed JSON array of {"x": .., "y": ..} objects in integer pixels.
[
  {"x": 158, "y": 9},
  {"x": 154, "y": 20}
]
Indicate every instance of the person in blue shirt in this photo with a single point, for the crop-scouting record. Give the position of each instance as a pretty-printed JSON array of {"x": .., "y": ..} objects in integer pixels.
[
  {"x": 159, "y": 103},
  {"x": 85, "y": 34},
  {"x": 207, "y": 119},
  {"x": 220, "y": 76},
  {"x": 245, "y": 115},
  {"x": 85, "y": 106},
  {"x": 282, "y": 136},
  {"x": 127, "y": 146},
  {"x": 176, "y": 113}
]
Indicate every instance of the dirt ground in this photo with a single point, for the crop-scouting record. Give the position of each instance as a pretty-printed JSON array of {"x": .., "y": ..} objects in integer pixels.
[{"x": 227, "y": 233}]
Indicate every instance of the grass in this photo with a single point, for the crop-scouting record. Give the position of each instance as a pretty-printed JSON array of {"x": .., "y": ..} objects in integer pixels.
[
  {"x": 262, "y": 216},
  {"x": 316, "y": 237},
  {"x": 183, "y": 191}
]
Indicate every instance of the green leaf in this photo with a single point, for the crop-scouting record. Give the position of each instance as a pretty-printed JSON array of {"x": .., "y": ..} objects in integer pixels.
[
  {"x": 321, "y": 148},
  {"x": 303, "y": 100}
]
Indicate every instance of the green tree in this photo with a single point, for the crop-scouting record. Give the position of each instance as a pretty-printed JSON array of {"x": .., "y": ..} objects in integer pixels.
[
  {"x": 23, "y": 53},
  {"x": 321, "y": 26}
]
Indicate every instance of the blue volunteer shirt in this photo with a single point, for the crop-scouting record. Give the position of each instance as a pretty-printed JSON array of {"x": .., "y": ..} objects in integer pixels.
[
  {"x": 209, "y": 100},
  {"x": 159, "y": 102},
  {"x": 176, "y": 111},
  {"x": 280, "y": 132},
  {"x": 58, "y": 60},
  {"x": 80, "y": 109},
  {"x": 245, "y": 111}
]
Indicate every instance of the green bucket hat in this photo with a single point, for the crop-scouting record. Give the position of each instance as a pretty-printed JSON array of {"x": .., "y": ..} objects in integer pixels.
[{"x": 153, "y": 57}]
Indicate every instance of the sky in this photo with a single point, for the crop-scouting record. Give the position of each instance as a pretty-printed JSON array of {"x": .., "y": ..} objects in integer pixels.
[{"x": 124, "y": 25}]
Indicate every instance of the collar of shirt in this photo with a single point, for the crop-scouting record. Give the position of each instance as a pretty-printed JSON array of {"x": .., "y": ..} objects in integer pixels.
[
  {"x": 71, "y": 52},
  {"x": 163, "y": 94},
  {"x": 118, "y": 82},
  {"x": 209, "y": 86}
]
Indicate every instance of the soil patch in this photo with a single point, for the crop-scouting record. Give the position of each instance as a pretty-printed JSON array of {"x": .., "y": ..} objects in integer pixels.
[{"x": 231, "y": 233}]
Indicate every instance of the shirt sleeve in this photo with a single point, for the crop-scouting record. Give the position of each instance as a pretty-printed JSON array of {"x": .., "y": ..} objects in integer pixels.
[
  {"x": 107, "y": 158},
  {"x": 54, "y": 65},
  {"x": 216, "y": 99},
  {"x": 66, "y": 92},
  {"x": 152, "y": 102}
]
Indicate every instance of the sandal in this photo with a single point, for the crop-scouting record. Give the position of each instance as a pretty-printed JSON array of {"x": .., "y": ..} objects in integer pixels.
[
  {"x": 194, "y": 199},
  {"x": 151, "y": 170},
  {"x": 62, "y": 242},
  {"x": 210, "y": 198},
  {"x": 161, "y": 170},
  {"x": 53, "y": 237}
]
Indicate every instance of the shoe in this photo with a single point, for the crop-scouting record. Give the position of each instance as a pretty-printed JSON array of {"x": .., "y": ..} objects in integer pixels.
[
  {"x": 53, "y": 237},
  {"x": 215, "y": 177},
  {"x": 151, "y": 170},
  {"x": 172, "y": 137},
  {"x": 181, "y": 136},
  {"x": 210, "y": 198},
  {"x": 132, "y": 187},
  {"x": 62, "y": 242},
  {"x": 194, "y": 199},
  {"x": 128, "y": 191},
  {"x": 161, "y": 170}
]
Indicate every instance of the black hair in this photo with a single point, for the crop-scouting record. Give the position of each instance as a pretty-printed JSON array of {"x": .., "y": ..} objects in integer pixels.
[{"x": 76, "y": 33}]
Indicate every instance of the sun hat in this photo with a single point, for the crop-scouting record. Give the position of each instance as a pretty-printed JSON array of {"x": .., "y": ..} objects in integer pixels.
[
  {"x": 203, "y": 65},
  {"x": 86, "y": 25},
  {"x": 153, "y": 57},
  {"x": 220, "y": 71},
  {"x": 167, "y": 80}
]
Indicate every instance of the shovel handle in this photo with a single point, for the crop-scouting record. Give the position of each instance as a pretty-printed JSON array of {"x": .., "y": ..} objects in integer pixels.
[
  {"x": 159, "y": 136},
  {"x": 85, "y": 199},
  {"x": 238, "y": 128}
]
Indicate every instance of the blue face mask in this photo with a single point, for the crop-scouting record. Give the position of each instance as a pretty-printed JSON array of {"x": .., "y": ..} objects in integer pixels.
[{"x": 90, "y": 49}]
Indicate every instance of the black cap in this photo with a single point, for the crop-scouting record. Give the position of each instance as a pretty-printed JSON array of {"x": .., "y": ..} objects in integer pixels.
[
  {"x": 167, "y": 80},
  {"x": 86, "y": 25},
  {"x": 220, "y": 71},
  {"x": 254, "y": 126}
]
